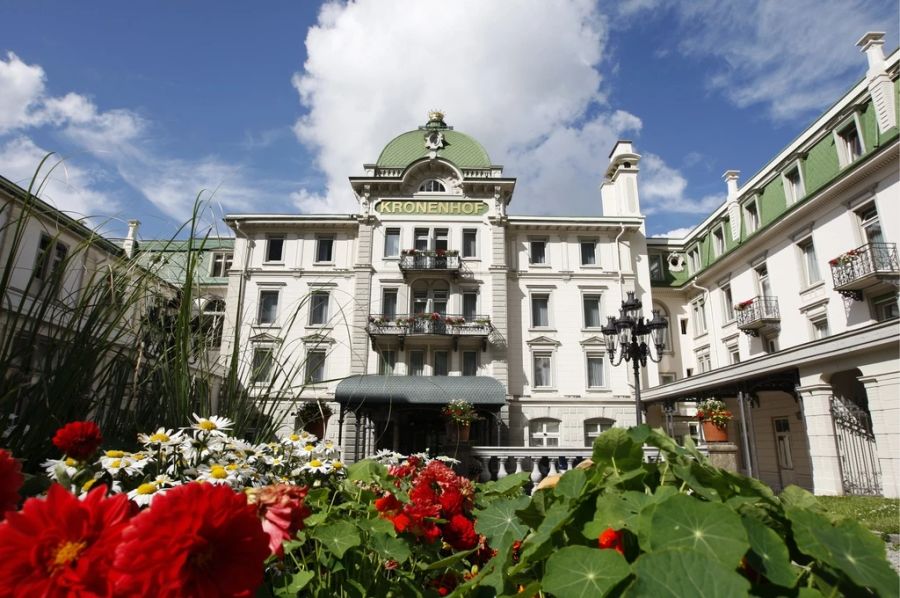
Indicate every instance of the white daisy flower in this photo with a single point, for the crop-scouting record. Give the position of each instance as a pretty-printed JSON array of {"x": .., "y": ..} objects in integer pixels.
[
  {"x": 212, "y": 425},
  {"x": 316, "y": 465},
  {"x": 55, "y": 467},
  {"x": 162, "y": 437}
]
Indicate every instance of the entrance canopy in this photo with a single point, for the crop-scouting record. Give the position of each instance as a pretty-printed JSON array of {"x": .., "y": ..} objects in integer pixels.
[{"x": 372, "y": 390}]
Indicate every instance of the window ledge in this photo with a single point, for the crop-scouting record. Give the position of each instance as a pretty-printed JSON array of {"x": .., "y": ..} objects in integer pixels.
[
  {"x": 320, "y": 326},
  {"x": 539, "y": 266},
  {"x": 812, "y": 287},
  {"x": 730, "y": 322},
  {"x": 265, "y": 325},
  {"x": 277, "y": 263},
  {"x": 598, "y": 389},
  {"x": 323, "y": 263},
  {"x": 591, "y": 329},
  {"x": 541, "y": 329},
  {"x": 701, "y": 335},
  {"x": 544, "y": 389},
  {"x": 592, "y": 266}
]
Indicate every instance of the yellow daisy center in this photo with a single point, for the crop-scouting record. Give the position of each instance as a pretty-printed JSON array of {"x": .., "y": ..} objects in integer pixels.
[
  {"x": 231, "y": 467},
  {"x": 115, "y": 454},
  {"x": 207, "y": 425},
  {"x": 315, "y": 463},
  {"x": 337, "y": 464},
  {"x": 218, "y": 472},
  {"x": 295, "y": 437},
  {"x": 87, "y": 485},
  {"x": 147, "y": 488},
  {"x": 116, "y": 463},
  {"x": 309, "y": 448},
  {"x": 160, "y": 437},
  {"x": 71, "y": 462},
  {"x": 66, "y": 553}
]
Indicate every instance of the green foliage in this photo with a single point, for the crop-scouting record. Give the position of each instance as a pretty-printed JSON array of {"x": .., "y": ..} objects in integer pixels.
[{"x": 874, "y": 512}]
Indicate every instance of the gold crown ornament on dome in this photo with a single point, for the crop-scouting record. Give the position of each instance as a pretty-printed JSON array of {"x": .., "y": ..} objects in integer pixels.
[{"x": 436, "y": 115}]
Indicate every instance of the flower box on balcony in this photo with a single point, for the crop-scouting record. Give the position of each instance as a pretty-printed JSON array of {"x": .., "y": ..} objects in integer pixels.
[
  {"x": 872, "y": 267},
  {"x": 758, "y": 315}
]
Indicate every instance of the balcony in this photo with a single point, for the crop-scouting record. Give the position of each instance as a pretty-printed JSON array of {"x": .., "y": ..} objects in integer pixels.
[
  {"x": 414, "y": 261},
  {"x": 433, "y": 325},
  {"x": 758, "y": 315},
  {"x": 872, "y": 268}
]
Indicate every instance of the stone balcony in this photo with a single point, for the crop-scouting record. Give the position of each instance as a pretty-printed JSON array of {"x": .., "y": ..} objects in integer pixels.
[
  {"x": 872, "y": 268},
  {"x": 430, "y": 262},
  {"x": 759, "y": 315},
  {"x": 437, "y": 325}
]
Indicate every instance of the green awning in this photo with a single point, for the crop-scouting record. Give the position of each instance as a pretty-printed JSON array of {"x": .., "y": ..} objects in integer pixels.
[{"x": 357, "y": 391}]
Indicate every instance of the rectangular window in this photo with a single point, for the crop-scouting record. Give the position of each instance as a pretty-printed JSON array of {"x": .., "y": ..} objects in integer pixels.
[
  {"x": 793, "y": 186},
  {"x": 542, "y": 363},
  {"x": 315, "y": 366},
  {"x": 268, "y": 307},
  {"x": 727, "y": 302},
  {"x": 441, "y": 363},
  {"x": 667, "y": 377},
  {"x": 470, "y": 242},
  {"x": 543, "y": 432},
  {"x": 656, "y": 267},
  {"x": 762, "y": 280},
  {"x": 392, "y": 242},
  {"x": 694, "y": 260},
  {"x": 263, "y": 361},
  {"x": 389, "y": 304},
  {"x": 470, "y": 363},
  {"x": 592, "y": 429},
  {"x": 734, "y": 354},
  {"x": 540, "y": 311},
  {"x": 698, "y": 311},
  {"x": 388, "y": 362},
  {"x": 810, "y": 263},
  {"x": 325, "y": 249},
  {"x": 469, "y": 306},
  {"x": 820, "y": 328},
  {"x": 870, "y": 223},
  {"x": 782, "y": 427},
  {"x": 441, "y": 236},
  {"x": 595, "y": 377},
  {"x": 45, "y": 266},
  {"x": 421, "y": 239},
  {"x": 703, "y": 362},
  {"x": 885, "y": 308},
  {"x": 751, "y": 216},
  {"x": 221, "y": 264},
  {"x": 588, "y": 253},
  {"x": 537, "y": 252},
  {"x": 719, "y": 241},
  {"x": 275, "y": 249},
  {"x": 684, "y": 326},
  {"x": 592, "y": 311},
  {"x": 416, "y": 363},
  {"x": 318, "y": 308},
  {"x": 849, "y": 144}
]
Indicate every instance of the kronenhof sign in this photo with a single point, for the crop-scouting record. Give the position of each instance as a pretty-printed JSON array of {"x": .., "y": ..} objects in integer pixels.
[{"x": 468, "y": 208}]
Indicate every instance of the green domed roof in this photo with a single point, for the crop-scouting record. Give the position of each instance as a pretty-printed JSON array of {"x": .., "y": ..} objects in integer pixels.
[{"x": 456, "y": 147}]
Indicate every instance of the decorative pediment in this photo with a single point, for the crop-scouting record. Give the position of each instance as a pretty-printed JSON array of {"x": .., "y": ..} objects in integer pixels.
[
  {"x": 542, "y": 340},
  {"x": 317, "y": 339},
  {"x": 264, "y": 338},
  {"x": 594, "y": 341}
]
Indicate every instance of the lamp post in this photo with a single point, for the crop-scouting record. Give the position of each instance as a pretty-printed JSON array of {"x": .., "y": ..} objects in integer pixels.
[{"x": 627, "y": 338}]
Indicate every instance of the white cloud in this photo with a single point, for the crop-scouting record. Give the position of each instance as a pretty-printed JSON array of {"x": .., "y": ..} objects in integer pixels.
[
  {"x": 61, "y": 183},
  {"x": 23, "y": 87},
  {"x": 662, "y": 189},
  {"x": 523, "y": 77},
  {"x": 678, "y": 233},
  {"x": 792, "y": 58}
]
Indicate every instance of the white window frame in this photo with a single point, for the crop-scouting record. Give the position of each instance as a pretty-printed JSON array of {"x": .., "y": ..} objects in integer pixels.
[
  {"x": 592, "y": 295},
  {"x": 531, "y": 242},
  {"x": 436, "y": 183},
  {"x": 752, "y": 219},
  {"x": 840, "y": 142},
  {"x": 882, "y": 305},
  {"x": 543, "y": 353},
  {"x": 319, "y": 239},
  {"x": 462, "y": 302},
  {"x": 702, "y": 357},
  {"x": 462, "y": 247},
  {"x": 259, "y": 306},
  {"x": 385, "y": 291},
  {"x": 865, "y": 223},
  {"x": 694, "y": 259},
  {"x": 387, "y": 367},
  {"x": 409, "y": 361},
  {"x": 604, "y": 383},
  {"x": 603, "y": 424},
  {"x": 223, "y": 258},
  {"x": 718, "y": 240},
  {"x": 698, "y": 306},
  {"x": 434, "y": 355},
  {"x": 802, "y": 245},
  {"x": 538, "y": 434},
  {"x": 595, "y": 245},
  {"x": 727, "y": 302},
  {"x": 388, "y": 231},
  {"x": 269, "y": 240},
  {"x": 667, "y": 377},
  {"x": 791, "y": 197},
  {"x": 816, "y": 328},
  {"x": 313, "y": 321},
  {"x": 324, "y": 366},
  {"x": 656, "y": 258},
  {"x": 732, "y": 348},
  {"x": 462, "y": 362},
  {"x": 549, "y": 324},
  {"x": 255, "y": 380}
]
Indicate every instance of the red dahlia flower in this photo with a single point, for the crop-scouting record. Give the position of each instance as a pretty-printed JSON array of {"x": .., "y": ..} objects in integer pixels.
[
  {"x": 60, "y": 545},
  {"x": 460, "y": 533},
  {"x": 199, "y": 540},
  {"x": 611, "y": 538},
  {"x": 11, "y": 479},
  {"x": 78, "y": 440},
  {"x": 281, "y": 510}
]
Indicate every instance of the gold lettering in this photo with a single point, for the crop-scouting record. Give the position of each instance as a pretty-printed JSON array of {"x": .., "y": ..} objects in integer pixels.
[
  {"x": 468, "y": 207},
  {"x": 432, "y": 207},
  {"x": 454, "y": 207},
  {"x": 420, "y": 207},
  {"x": 408, "y": 207},
  {"x": 384, "y": 207},
  {"x": 444, "y": 207}
]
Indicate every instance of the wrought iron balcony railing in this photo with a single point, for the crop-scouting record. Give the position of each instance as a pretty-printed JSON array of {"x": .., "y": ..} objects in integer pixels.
[
  {"x": 864, "y": 267},
  {"x": 757, "y": 313},
  {"x": 430, "y": 261},
  {"x": 434, "y": 324}
]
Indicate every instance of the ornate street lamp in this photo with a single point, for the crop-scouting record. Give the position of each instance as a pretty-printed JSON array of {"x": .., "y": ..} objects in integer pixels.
[{"x": 627, "y": 338}]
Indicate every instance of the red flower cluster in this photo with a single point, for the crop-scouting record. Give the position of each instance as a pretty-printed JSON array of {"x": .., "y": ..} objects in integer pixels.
[
  {"x": 436, "y": 494},
  {"x": 78, "y": 440},
  {"x": 11, "y": 479},
  {"x": 282, "y": 510},
  {"x": 195, "y": 540},
  {"x": 611, "y": 538},
  {"x": 62, "y": 546}
]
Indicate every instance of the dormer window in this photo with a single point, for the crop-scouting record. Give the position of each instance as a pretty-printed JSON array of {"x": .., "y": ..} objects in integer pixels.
[
  {"x": 848, "y": 142},
  {"x": 432, "y": 186},
  {"x": 793, "y": 185}
]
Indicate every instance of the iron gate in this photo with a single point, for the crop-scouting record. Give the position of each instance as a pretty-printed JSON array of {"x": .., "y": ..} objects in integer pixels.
[{"x": 860, "y": 471}]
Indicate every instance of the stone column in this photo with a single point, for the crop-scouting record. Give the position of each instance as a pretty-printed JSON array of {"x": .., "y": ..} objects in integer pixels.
[
  {"x": 883, "y": 391},
  {"x": 499, "y": 298},
  {"x": 723, "y": 455},
  {"x": 823, "y": 453}
]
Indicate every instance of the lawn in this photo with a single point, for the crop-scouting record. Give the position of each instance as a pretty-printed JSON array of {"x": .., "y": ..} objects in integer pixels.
[{"x": 876, "y": 513}]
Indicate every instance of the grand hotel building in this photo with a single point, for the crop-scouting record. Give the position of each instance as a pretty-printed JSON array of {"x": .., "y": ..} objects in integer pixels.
[{"x": 783, "y": 302}]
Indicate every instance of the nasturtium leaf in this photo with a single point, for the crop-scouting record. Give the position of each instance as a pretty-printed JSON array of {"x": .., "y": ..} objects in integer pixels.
[
  {"x": 294, "y": 583},
  {"x": 337, "y": 537},
  {"x": 377, "y": 525},
  {"x": 500, "y": 518},
  {"x": 315, "y": 519},
  {"x": 686, "y": 474},
  {"x": 616, "y": 510},
  {"x": 768, "y": 554},
  {"x": 795, "y": 496},
  {"x": 846, "y": 546},
  {"x": 389, "y": 548},
  {"x": 582, "y": 572},
  {"x": 366, "y": 471},
  {"x": 711, "y": 529},
  {"x": 640, "y": 434},
  {"x": 571, "y": 483},
  {"x": 540, "y": 543},
  {"x": 615, "y": 449},
  {"x": 504, "y": 485},
  {"x": 679, "y": 573}
]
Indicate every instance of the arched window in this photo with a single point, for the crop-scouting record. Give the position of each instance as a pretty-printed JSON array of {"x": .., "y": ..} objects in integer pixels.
[
  {"x": 432, "y": 186},
  {"x": 594, "y": 427},
  {"x": 543, "y": 431}
]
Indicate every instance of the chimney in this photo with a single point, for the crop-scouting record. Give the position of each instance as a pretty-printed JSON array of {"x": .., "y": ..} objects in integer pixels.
[
  {"x": 619, "y": 191},
  {"x": 877, "y": 80},
  {"x": 130, "y": 244},
  {"x": 734, "y": 210}
]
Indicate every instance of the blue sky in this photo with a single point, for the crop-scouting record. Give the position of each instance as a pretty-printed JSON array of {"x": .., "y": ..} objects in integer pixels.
[{"x": 274, "y": 105}]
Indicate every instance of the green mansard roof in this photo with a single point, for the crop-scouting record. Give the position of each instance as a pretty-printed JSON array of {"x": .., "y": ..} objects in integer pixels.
[{"x": 458, "y": 147}]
